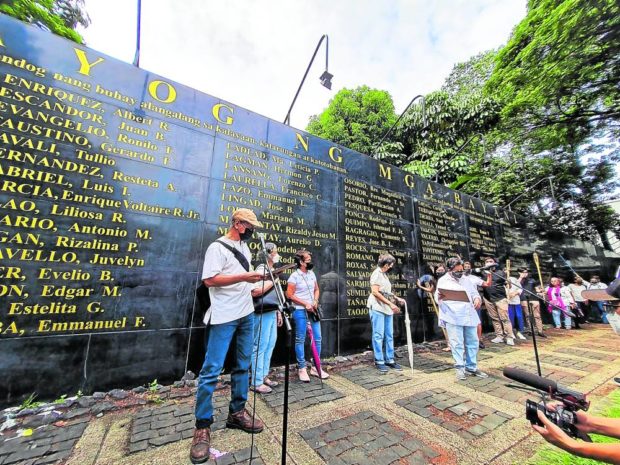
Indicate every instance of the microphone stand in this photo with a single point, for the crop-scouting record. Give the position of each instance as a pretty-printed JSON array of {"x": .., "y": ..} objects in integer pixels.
[
  {"x": 528, "y": 295},
  {"x": 287, "y": 358}
]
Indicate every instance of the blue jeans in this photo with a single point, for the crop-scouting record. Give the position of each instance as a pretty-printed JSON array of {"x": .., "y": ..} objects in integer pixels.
[
  {"x": 301, "y": 319},
  {"x": 265, "y": 335},
  {"x": 382, "y": 335},
  {"x": 515, "y": 310},
  {"x": 464, "y": 345},
  {"x": 557, "y": 314},
  {"x": 219, "y": 338},
  {"x": 600, "y": 308}
]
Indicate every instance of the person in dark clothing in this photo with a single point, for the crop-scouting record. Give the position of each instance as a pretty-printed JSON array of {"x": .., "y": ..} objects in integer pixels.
[
  {"x": 529, "y": 284},
  {"x": 496, "y": 303}
]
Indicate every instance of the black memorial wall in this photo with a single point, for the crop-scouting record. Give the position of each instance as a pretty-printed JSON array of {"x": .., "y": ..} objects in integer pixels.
[{"x": 114, "y": 181}]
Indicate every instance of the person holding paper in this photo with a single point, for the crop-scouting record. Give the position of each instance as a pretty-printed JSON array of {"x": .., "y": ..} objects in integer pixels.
[{"x": 458, "y": 301}]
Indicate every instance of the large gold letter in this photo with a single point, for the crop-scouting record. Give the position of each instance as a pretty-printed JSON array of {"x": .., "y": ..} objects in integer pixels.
[
  {"x": 409, "y": 181},
  {"x": 216, "y": 113},
  {"x": 172, "y": 93},
  {"x": 429, "y": 189},
  {"x": 334, "y": 154},
  {"x": 304, "y": 142},
  {"x": 85, "y": 66},
  {"x": 385, "y": 172}
]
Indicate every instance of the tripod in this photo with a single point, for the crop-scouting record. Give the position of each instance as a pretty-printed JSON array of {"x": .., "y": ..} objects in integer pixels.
[{"x": 285, "y": 312}]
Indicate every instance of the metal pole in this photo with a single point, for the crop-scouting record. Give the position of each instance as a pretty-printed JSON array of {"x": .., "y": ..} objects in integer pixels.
[
  {"x": 287, "y": 119},
  {"x": 399, "y": 118},
  {"x": 136, "y": 59}
]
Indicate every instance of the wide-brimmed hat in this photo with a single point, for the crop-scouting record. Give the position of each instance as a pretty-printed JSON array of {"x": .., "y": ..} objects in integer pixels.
[{"x": 247, "y": 215}]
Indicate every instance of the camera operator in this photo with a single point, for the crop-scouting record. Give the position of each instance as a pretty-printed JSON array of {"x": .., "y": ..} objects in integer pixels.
[
  {"x": 585, "y": 423},
  {"x": 609, "y": 453}
]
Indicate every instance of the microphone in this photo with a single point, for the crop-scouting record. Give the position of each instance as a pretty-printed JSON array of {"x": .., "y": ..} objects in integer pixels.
[
  {"x": 571, "y": 398},
  {"x": 485, "y": 268},
  {"x": 535, "y": 381}
]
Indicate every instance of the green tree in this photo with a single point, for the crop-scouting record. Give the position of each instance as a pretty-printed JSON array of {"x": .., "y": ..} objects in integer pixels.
[
  {"x": 59, "y": 16},
  {"x": 445, "y": 136},
  {"x": 558, "y": 77},
  {"x": 356, "y": 118}
]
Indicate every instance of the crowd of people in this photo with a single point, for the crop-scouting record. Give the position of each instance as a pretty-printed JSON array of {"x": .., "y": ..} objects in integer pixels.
[{"x": 245, "y": 309}]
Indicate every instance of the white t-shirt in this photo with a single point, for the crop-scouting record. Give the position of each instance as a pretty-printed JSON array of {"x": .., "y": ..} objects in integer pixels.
[
  {"x": 228, "y": 303},
  {"x": 304, "y": 285},
  {"x": 379, "y": 278},
  {"x": 577, "y": 290},
  {"x": 475, "y": 280},
  {"x": 516, "y": 300}
]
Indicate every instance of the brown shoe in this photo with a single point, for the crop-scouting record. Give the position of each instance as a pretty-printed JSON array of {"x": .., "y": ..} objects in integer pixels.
[
  {"x": 199, "y": 453},
  {"x": 243, "y": 421}
]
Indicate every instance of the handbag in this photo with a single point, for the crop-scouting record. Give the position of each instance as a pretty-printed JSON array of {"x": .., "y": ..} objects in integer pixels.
[
  {"x": 317, "y": 315},
  {"x": 266, "y": 302}
]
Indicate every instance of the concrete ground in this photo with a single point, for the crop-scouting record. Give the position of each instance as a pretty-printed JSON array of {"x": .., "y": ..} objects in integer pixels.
[{"x": 357, "y": 416}]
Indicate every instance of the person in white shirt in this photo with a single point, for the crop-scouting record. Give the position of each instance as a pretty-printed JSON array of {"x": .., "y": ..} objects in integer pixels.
[
  {"x": 460, "y": 319},
  {"x": 381, "y": 312},
  {"x": 515, "y": 311},
  {"x": 478, "y": 282},
  {"x": 226, "y": 272},
  {"x": 576, "y": 288},
  {"x": 303, "y": 291}
]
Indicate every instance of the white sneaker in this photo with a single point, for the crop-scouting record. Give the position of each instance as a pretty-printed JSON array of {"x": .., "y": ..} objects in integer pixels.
[
  {"x": 497, "y": 340},
  {"x": 510, "y": 341},
  {"x": 521, "y": 336}
]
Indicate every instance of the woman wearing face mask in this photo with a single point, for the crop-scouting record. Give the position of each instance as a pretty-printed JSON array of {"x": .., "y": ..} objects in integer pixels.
[
  {"x": 381, "y": 312},
  {"x": 266, "y": 320},
  {"x": 303, "y": 291},
  {"x": 460, "y": 318},
  {"x": 558, "y": 306}
]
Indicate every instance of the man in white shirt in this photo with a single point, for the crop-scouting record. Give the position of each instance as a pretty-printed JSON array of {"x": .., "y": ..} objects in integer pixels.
[
  {"x": 227, "y": 274},
  {"x": 460, "y": 319}
]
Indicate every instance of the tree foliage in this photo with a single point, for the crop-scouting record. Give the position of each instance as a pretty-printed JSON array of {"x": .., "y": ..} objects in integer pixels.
[
  {"x": 559, "y": 74},
  {"x": 545, "y": 105},
  {"x": 58, "y": 16},
  {"x": 356, "y": 118}
]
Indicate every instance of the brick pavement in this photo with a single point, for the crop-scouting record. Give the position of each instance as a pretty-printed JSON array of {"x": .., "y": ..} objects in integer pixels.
[
  {"x": 454, "y": 412},
  {"x": 356, "y": 416}
]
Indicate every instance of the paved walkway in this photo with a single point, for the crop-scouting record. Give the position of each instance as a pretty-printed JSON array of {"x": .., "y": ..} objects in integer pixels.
[{"x": 357, "y": 417}]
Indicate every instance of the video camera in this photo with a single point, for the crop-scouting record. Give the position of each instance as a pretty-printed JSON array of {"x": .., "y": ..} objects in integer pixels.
[{"x": 564, "y": 415}]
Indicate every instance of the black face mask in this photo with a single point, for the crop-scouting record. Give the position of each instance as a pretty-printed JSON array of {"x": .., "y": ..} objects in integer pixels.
[
  {"x": 467, "y": 272},
  {"x": 247, "y": 234},
  {"x": 457, "y": 274},
  {"x": 309, "y": 265},
  {"x": 440, "y": 273}
]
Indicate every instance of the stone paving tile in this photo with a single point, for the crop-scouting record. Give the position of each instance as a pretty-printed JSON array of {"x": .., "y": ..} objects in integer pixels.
[
  {"x": 48, "y": 444},
  {"x": 455, "y": 413},
  {"x": 239, "y": 457},
  {"x": 301, "y": 395},
  {"x": 580, "y": 352},
  {"x": 568, "y": 363},
  {"x": 611, "y": 346},
  {"x": 370, "y": 378},
  {"x": 159, "y": 426},
  {"x": 368, "y": 439},
  {"x": 425, "y": 364},
  {"x": 497, "y": 387}
]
